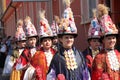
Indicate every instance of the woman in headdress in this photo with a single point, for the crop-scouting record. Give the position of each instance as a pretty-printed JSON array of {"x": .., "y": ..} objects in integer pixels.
[
  {"x": 68, "y": 63},
  {"x": 94, "y": 35},
  {"x": 106, "y": 65},
  {"x": 41, "y": 60},
  {"x": 24, "y": 60},
  {"x": 20, "y": 39}
]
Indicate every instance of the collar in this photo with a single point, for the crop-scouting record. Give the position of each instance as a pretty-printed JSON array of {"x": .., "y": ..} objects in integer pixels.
[
  {"x": 30, "y": 47},
  {"x": 109, "y": 50}
]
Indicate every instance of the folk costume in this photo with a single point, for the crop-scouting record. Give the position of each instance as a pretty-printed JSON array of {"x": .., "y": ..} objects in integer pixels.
[
  {"x": 89, "y": 55},
  {"x": 68, "y": 64},
  {"x": 94, "y": 32},
  {"x": 41, "y": 60},
  {"x": 24, "y": 60},
  {"x": 16, "y": 52},
  {"x": 106, "y": 65}
]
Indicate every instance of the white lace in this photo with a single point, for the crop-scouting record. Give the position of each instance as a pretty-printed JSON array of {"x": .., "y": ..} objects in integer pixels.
[
  {"x": 20, "y": 51},
  {"x": 33, "y": 51},
  {"x": 49, "y": 57},
  {"x": 113, "y": 60}
]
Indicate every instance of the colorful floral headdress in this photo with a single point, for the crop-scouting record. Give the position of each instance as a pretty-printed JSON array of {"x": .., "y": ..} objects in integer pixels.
[
  {"x": 54, "y": 28},
  {"x": 95, "y": 28},
  {"x": 67, "y": 23},
  {"x": 44, "y": 28},
  {"x": 29, "y": 28},
  {"x": 107, "y": 25},
  {"x": 20, "y": 34}
]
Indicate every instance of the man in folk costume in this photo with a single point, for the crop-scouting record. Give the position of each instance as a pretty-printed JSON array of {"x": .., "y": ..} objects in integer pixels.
[
  {"x": 106, "y": 65},
  {"x": 20, "y": 39},
  {"x": 41, "y": 60},
  {"x": 24, "y": 60},
  {"x": 68, "y": 63},
  {"x": 31, "y": 34},
  {"x": 94, "y": 35}
]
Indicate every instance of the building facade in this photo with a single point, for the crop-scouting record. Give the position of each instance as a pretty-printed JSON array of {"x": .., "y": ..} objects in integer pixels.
[
  {"x": 82, "y": 10},
  {"x": 1, "y": 13}
]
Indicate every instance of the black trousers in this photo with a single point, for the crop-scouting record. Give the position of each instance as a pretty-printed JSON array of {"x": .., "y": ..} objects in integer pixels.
[{"x": 2, "y": 59}]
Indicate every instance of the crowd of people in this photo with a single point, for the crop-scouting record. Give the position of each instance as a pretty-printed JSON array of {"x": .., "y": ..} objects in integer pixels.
[{"x": 48, "y": 52}]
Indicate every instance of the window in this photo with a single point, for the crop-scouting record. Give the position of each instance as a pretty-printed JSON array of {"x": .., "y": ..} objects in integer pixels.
[
  {"x": 86, "y": 10},
  {"x": 62, "y": 7}
]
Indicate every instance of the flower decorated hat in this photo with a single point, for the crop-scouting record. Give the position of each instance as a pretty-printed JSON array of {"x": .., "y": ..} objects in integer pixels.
[
  {"x": 20, "y": 34},
  {"x": 44, "y": 28},
  {"x": 67, "y": 24},
  {"x": 54, "y": 26},
  {"x": 95, "y": 28},
  {"x": 107, "y": 25},
  {"x": 30, "y": 28}
]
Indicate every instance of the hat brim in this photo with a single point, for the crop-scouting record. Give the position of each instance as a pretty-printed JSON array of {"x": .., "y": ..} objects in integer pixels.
[
  {"x": 32, "y": 36},
  {"x": 102, "y": 37},
  {"x": 20, "y": 40},
  {"x": 73, "y": 34},
  {"x": 41, "y": 38},
  {"x": 94, "y": 37},
  {"x": 116, "y": 34}
]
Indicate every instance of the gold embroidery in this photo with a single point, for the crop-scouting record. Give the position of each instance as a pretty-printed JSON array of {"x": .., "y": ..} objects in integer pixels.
[{"x": 70, "y": 59}]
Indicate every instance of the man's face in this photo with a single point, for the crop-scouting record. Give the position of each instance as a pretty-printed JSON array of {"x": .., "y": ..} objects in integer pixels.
[
  {"x": 94, "y": 43},
  {"x": 67, "y": 41},
  {"x": 55, "y": 41},
  {"x": 32, "y": 41},
  {"x": 21, "y": 43},
  {"x": 109, "y": 42}
]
